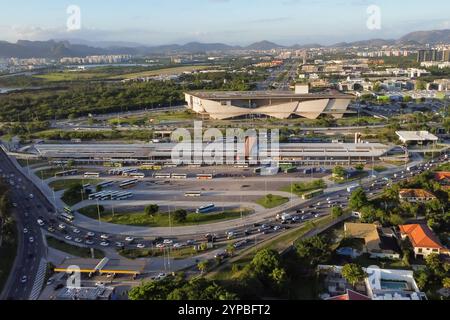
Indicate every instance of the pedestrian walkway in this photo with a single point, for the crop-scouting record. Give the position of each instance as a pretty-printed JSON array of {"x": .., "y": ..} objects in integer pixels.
[{"x": 39, "y": 280}]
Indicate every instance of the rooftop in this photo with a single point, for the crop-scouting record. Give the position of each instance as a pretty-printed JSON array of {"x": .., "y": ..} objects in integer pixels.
[
  {"x": 421, "y": 236},
  {"x": 416, "y": 136},
  {"x": 416, "y": 193},
  {"x": 251, "y": 95}
]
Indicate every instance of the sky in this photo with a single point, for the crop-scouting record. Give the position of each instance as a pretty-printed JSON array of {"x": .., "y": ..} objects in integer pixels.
[{"x": 235, "y": 22}]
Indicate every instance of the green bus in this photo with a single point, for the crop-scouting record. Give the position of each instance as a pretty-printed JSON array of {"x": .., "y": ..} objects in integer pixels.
[{"x": 312, "y": 194}]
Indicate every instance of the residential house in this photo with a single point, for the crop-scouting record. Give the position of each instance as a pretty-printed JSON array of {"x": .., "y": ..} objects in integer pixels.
[
  {"x": 376, "y": 243},
  {"x": 416, "y": 195},
  {"x": 379, "y": 284},
  {"x": 423, "y": 240}
]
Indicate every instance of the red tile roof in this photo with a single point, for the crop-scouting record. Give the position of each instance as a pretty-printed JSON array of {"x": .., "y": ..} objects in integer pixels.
[
  {"x": 350, "y": 296},
  {"x": 416, "y": 193},
  {"x": 440, "y": 176},
  {"x": 421, "y": 236}
]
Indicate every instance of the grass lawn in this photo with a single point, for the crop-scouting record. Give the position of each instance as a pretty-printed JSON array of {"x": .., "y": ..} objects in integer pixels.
[
  {"x": 141, "y": 219},
  {"x": 59, "y": 185},
  {"x": 8, "y": 252},
  {"x": 166, "y": 71},
  {"x": 380, "y": 169},
  {"x": 357, "y": 177},
  {"x": 71, "y": 76},
  {"x": 301, "y": 188},
  {"x": 176, "y": 254},
  {"x": 25, "y": 163},
  {"x": 272, "y": 201},
  {"x": 73, "y": 250}
]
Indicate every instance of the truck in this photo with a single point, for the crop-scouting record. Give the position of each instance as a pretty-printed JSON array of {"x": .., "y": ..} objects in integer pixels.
[
  {"x": 352, "y": 188},
  {"x": 284, "y": 217}
]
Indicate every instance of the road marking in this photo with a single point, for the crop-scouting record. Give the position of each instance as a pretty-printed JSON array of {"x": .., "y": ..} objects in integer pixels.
[{"x": 39, "y": 280}]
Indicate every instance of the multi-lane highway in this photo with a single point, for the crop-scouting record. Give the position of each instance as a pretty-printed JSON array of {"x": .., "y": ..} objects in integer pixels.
[{"x": 29, "y": 268}]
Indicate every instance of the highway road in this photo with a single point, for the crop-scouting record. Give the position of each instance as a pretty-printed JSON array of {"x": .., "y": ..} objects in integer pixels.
[{"x": 29, "y": 267}]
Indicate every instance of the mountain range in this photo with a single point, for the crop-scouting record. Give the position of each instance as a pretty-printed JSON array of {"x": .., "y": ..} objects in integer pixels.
[{"x": 81, "y": 48}]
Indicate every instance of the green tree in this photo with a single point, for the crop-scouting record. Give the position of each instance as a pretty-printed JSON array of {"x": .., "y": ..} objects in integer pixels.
[
  {"x": 203, "y": 266},
  {"x": 358, "y": 199},
  {"x": 353, "y": 273},
  {"x": 313, "y": 251},
  {"x": 180, "y": 215},
  {"x": 435, "y": 265},
  {"x": 422, "y": 277},
  {"x": 446, "y": 283},
  {"x": 339, "y": 172},
  {"x": 151, "y": 209},
  {"x": 337, "y": 212},
  {"x": 265, "y": 261}
]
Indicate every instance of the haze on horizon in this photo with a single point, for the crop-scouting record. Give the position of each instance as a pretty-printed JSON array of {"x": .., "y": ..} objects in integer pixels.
[{"x": 236, "y": 22}]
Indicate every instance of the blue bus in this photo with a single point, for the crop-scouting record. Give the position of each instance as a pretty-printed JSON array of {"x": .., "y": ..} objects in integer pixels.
[{"x": 206, "y": 209}]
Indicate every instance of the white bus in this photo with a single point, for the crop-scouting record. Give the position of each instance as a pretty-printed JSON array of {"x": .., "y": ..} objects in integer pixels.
[
  {"x": 178, "y": 176},
  {"x": 105, "y": 184},
  {"x": 193, "y": 194},
  {"x": 92, "y": 175},
  {"x": 161, "y": 175},
  {"x": 128, "y": 184},
  {"x": 137, "y": 175},
  {"x": 66, "y": 217},
  {"x": 125, "y": 196}
]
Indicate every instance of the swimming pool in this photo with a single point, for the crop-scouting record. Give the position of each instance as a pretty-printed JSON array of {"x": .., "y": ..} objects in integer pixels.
[{"x": 394, "y": 285}]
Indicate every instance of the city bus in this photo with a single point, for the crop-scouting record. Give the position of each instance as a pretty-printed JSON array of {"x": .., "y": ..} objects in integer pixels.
[
  {"x": 179, "y": 176},
  {"x": 66, "y": 217},
  {"x": 96, "y": 195},
  {"x": 138, "y": 175},
  {"x": 162, "y": 176},
  {"x": 193, "y": 194},
  {"x": 128, "y": 184},
  {"x": 66, "y": 173},
  {"x": 205, "y": 177},
  {"x": 128, "y": 172},
  {"x": 124, "y": 196},
  {"x": 206, "y": 209},
  {"x": 92, "y": 175},
  {"x": 312, "y": 194},
  {"x": 105, "y": 184}
]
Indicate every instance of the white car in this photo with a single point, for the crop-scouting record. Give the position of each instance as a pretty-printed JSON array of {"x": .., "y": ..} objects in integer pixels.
[
  {"x": 24, "y": 279},
  {"x": 68, "y": 238},
  {"x": 160, "y": 246},
  {"x": 61, "y": 226},
  {"x": 31, "y": 239},
  {"x": 104, "y": 244},
  {"x": 168, "y": 241},
  {"x": 129, "y": 239},
  {"x": 89, "y": 242},
  {"x": 90, "y": 234},
  {"x": 78, "y": 240},
  {"x": 40, "y": 222},
  {"x": 25, "y": 230},
  {"x": 76, "y": 231},
  {"x": 140, "y": 246},
  {"x": 178, "y": 245},
  {"x": 104, "y": 236}
]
